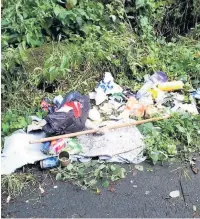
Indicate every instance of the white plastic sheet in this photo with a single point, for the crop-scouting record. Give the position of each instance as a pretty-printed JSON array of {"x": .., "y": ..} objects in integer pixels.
[{"x": 18, "y": 152}]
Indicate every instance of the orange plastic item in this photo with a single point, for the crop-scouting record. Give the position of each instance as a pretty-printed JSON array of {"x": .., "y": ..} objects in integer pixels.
[
  {"x": 170, "y": 86},
  {"x": 135, "y": 108}
]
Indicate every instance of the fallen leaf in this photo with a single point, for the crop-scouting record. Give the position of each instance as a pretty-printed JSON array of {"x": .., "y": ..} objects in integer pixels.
[
  {"x": 98, "y": 192},
  {"x": 139, "y": 167},
  {"x": 194, "y": 169},
  {"x": 105, "y": 184},
  {"x": 174, "y": 194},
  {"x": 111, "y": 189},
  {"x": 8, "y": 199}
]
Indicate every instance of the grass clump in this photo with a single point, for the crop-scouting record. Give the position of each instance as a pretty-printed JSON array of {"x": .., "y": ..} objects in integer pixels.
[{"x": 14, "y": 184}]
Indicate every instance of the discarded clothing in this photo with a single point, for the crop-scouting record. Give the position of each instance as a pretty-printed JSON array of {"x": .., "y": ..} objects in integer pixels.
[{"x": 71, "y": 115}]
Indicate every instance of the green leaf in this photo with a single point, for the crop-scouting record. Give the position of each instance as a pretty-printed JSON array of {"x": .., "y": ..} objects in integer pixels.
[
  {"x": 70, "y": 167},
  {"x": 64, "y": 62},
  {"x": 180, "y": 129},
  {"x": 139, "y": 3},
  {"x": 139, "y": 167},
  {"x": 58, "y": 176},
  {"x": 189, "y": 139},
  {"x": 105, "y": 184}
]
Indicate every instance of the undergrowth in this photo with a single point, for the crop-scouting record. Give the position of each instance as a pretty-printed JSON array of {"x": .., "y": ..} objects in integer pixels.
[
  {"x": 51, "y": 48},
  {"x": 178, "y": 136},
  {"x": 13, "y": 185}
]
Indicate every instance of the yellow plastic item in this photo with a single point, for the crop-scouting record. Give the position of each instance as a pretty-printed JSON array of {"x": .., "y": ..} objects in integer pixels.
[{"x": 170, "y": 86}]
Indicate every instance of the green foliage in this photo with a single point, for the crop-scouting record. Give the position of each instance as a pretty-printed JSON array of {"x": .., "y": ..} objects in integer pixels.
[
  {"x": 14, "y": 184},
  {"x": 127, "y": 38},
  {"x": 168, "y": 137},
  {"x": 34, "y": 22},
  {"x": 13, "y": 120},
  {"x": 88, "y": 175}
]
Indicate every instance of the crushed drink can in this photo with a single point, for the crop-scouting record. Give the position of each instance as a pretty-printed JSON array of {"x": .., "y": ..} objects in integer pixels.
[
  {"x": 57, "y": 146},
  {"x": 49, "y": 163}
]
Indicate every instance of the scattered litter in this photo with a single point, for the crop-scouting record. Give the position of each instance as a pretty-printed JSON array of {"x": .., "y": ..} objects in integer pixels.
[
  {"x": 105, "y": 87},
  {"x": 124, "y": 145},
  {"x": 36, "y": 125},
  {"x": 71, "y": 115},
  {"x": 147, "y": 192},
  {"x": 94, "y": 114},
  {"x": 8, "y": 199},
  {"x": 131, "y": 181},
  {"x": 139, "y": 167},
  {"x": 190, "y": 108},
  {"x": 57, "y": 146},
  {"x": 17, "y": 151},
  {"x": 64, "y": 158},
  {"x": 49, "y": 163},
  {"x": 135, "y": 108},
  {"x": 150, "y": 82},
  {"x": 194, "y": 208},
  {"x": 193, "y": 167},
  {"x": 55, "y": 187},
  {"x": 171, "y": 86},
  {"x": 41, "y": 189},
  {"x": 135, "y": 186},
  {"x": 174, "y": 194},
  {"x": 196, "y": 94},
  {"x": 58, "y": 100}
]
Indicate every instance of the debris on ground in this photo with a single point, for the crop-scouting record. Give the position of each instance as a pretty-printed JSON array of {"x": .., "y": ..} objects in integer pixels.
[
  {"x": 75, "y": 112},
  {"x": 139, "y": 167},
  {"x": 196, "y": 94},
  {"x": 70, "y": 116},
  {"x": 18, "y": 152},
  {"x": 174, "y": 194},
  {"x": 194, "y": 168}
]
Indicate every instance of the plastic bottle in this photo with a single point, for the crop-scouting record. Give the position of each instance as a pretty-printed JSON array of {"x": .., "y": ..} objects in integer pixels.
[
  {"x": 171, "y": 86},
  {"x": 156, "y": 78}
]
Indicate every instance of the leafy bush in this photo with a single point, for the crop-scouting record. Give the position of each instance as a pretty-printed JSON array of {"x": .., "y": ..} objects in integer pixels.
[{"x": 168, "y": 137}]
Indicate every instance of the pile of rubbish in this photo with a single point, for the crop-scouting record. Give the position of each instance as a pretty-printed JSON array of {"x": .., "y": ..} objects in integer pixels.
[{"x": 109, "y": 104}]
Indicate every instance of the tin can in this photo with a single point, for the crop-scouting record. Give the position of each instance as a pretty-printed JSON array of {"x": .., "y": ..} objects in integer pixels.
[
  {"x": 64, "y": 158},
  {"x": 57, "y": 146},
  {"x": 49, "y": 163}
]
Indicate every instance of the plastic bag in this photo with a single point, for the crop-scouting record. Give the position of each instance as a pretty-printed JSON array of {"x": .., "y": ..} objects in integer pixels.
[{"x": 71, "y": 121}]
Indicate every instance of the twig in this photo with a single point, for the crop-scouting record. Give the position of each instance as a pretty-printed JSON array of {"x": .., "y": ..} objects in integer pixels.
[{"x": 180, "y": 181}]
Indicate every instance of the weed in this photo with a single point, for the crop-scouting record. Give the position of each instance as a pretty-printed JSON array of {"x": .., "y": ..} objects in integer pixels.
[
  {"x": 177, "y": 136},
  {"x": 90, "y": 174},
  {"x": 14, "y": 184}
]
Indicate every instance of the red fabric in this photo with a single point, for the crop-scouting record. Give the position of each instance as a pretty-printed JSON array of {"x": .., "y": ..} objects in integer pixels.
[{"x": 76, "y": 108}]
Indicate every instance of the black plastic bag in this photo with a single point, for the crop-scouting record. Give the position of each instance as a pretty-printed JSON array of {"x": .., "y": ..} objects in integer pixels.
[{"x": 66, "y": 122}]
